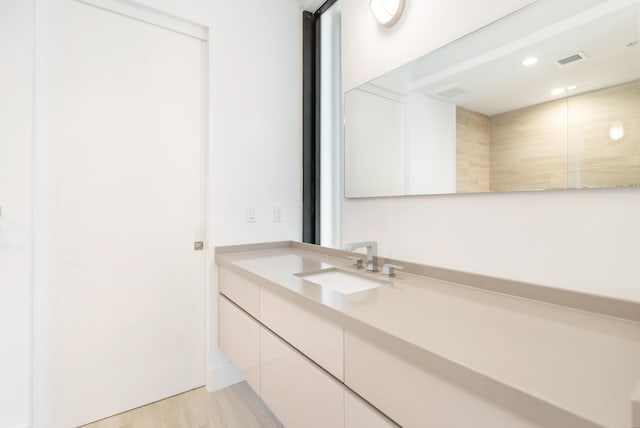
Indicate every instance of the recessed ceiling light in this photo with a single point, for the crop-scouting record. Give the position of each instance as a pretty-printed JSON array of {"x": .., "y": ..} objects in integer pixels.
[
  {"x": 557, "y": 91},
  {"x": 572, "y": 87},
  {"x": 530, "y": 61}
]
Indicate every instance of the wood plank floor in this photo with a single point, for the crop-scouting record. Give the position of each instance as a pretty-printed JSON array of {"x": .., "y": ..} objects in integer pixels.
[{"x": 237, "y": 406}]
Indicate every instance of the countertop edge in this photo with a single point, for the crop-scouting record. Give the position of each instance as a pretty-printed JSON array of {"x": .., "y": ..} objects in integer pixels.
[
  {"x": 240, "y": 248},
  {"x": 603, "y": 305},
  {"x": 525, "y": 404}
]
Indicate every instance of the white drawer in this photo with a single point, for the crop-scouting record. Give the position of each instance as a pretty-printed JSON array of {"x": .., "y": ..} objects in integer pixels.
[
  {"x": 242, "y": 292},
  {"x": 239, "y": 337},
  {"x": 416, "y": 398},
  {"x": 320, "y": 340},
  {"x": 300, "y": 394}
]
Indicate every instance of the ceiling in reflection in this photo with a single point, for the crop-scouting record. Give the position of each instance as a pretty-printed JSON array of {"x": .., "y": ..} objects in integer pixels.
[{"x": 495, "y": 81}]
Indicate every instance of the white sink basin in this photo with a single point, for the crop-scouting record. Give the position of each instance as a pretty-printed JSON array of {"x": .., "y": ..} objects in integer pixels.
[{"x": 342, "y": 281}]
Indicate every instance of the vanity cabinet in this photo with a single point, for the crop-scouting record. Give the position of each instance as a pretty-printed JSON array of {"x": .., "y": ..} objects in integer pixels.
[
  {"x": 415, "y": 352},
  {"x": 298, "y": 392},
  {"x": 358, "y": 414},
  {"x": 313, "y": 373},
  {"x": 292, "y": 358},
  {"x": 239, "y": 337},
  {"x": 239, "y": 290},
  {"x": 414, "y": 397},
  {"x": 317, "y": 338}
]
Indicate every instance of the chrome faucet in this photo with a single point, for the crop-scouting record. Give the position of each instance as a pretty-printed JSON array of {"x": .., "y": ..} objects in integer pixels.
[{"x": 372, "y": 252}]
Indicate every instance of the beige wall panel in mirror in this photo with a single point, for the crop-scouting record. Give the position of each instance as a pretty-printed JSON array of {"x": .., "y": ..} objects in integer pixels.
[
  {"x": 473, "y": 153},
  {"x": 479, "y": 118},
  {"x": 595, "y": 158},
  {"x": 529, "y": 148}
]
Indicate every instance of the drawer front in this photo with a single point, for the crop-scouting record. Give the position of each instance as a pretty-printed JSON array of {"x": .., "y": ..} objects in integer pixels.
[
  {"x": 320, "y": 340},
  {"x": 239, "y": 337},
  {"x": 297, "y": 391},
  {"x": 241, "y": 291},
  {"x": 358, "y": 414},
  {"x": 414, "y": 397}
]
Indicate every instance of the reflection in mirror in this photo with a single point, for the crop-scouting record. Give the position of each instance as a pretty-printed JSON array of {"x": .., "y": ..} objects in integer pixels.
[{"x": 546, "y": 98}]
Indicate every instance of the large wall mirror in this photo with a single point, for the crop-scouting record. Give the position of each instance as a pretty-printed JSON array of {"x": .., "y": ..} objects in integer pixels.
[{"x": 546, "y": 98}]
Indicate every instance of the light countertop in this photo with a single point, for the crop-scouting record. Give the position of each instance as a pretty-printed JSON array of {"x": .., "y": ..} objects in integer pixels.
[{"x": 557, "y": 365}]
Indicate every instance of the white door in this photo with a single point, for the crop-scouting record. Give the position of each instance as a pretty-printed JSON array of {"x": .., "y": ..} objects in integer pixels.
[{"x": 120, "y": 201}]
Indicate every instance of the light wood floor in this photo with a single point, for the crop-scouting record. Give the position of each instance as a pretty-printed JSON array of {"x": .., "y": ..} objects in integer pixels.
[{"x": 237, "y": 406}]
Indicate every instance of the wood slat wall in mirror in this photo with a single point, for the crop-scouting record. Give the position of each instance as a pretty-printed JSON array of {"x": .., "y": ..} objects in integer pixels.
[
  {"x": 476, "y": 118},
  {"x": 566, "y": 143},
  {"x": 595, "y": 159},
  {"x": 529, "y": 148},
  {"x": 473, "y": 154}
]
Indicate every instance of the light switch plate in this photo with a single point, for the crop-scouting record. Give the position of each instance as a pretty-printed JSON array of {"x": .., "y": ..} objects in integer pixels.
[
  {"x": 277, "y": 215},
  {"x": 251, "y": 214}
]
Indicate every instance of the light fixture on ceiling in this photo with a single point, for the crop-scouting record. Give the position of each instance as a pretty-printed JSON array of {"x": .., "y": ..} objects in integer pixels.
[
  {"x": 557, "y": 91},
  {"x": 616, "y": 131},
  {"x": 530, "y": 61},
  {"x": 386, "y": 12},
  {"x": 572, "y": 87}
]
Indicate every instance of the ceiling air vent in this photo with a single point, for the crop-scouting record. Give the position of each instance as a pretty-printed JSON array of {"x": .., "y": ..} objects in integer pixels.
[
  {"x": 451, "y": 92},
  {"x": 572, "y": 59}
]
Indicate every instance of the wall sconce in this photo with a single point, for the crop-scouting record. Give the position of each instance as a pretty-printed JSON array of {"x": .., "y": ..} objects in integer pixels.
[
  {"x": 616, "y": 131},
  {"x": 386, "y": 12}
]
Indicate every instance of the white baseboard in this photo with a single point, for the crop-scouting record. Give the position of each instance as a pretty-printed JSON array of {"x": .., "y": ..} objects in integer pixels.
[
  {"x": 222, "y": 373},
  {"x": 223, "y": 376}
]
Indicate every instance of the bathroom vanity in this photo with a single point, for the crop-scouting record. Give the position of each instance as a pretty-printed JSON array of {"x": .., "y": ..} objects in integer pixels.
[{"x": 328, "y": 345}]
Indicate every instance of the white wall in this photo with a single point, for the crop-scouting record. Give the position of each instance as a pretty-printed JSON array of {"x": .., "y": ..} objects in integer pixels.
[
  {"x": 255, "y": 151},
  {"x": 431, "y": 153},
  {"x": 256, "y": 131},
  {"x": 374, "y": 144},
  {"x": 576, "y": 239},
  {"x": 256, "y": 119},
  {"x": 16, "y": 66}
]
